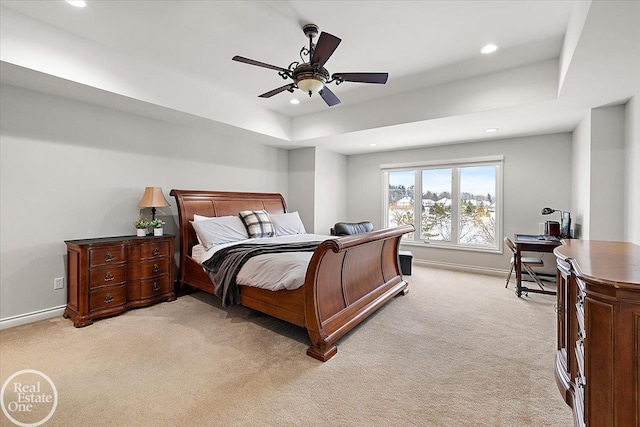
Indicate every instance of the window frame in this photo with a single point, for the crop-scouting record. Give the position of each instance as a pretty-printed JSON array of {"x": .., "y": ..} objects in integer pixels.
[{"x": 455, "y": 165}]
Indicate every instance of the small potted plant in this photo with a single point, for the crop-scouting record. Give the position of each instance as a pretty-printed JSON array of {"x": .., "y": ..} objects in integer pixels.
[
  {"x": 141, "y": 225},
  {"x": 156, "y": 224}
]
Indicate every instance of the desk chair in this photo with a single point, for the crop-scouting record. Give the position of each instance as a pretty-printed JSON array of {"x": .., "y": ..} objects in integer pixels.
[{"x": 527, "y": 263}]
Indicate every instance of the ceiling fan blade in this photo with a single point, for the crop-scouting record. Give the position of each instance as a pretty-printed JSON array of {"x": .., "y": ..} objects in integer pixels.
[
  {"x": 258, "y": 63},
  {"x": 269, "y": 94},
  {"x": 327, "y": 44},
  {"x": 329, "y": 97},
  {"x": 380, "y": 78}
]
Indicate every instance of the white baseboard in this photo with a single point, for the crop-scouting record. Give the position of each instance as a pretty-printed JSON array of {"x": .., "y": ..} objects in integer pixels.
[
  {"x": 23, "y": 319},
  {"x": 462, "y": 267}
]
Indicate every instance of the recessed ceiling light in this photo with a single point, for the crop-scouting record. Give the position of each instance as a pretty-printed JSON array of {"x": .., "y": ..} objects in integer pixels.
[
  {"x": 489, "y": 48},
  {"x": 373, "y": 144},
  {"x": 491, "y": 130},
  {"x": 294, "y": 101},
  {"x": 77, "y": 3}
]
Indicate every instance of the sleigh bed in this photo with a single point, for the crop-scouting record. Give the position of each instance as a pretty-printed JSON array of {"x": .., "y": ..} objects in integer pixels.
[{"x": 347, "y": 279}]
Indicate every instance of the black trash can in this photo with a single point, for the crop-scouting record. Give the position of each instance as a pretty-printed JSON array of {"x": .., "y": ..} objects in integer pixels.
[{"x": 406, "y": 257}]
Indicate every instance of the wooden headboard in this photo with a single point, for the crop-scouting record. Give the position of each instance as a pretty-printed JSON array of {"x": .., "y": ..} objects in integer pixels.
[{"x": 218, "y": 203}]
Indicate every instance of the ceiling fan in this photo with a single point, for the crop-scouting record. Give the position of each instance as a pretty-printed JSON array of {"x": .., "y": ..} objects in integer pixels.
[{"x": 310, "y": 76}]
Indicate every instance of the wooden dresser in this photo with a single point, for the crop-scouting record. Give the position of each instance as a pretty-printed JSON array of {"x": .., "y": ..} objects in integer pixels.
[
  {"x": 110, "y": 275},
  {"x": 598, "y": 357}
]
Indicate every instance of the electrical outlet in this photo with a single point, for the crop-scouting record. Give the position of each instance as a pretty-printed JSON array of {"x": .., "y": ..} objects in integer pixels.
[{"x": 58, "y": 283}]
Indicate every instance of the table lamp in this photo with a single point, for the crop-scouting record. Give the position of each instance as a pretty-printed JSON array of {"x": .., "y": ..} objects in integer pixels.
[{"x": 153, "y": 198}]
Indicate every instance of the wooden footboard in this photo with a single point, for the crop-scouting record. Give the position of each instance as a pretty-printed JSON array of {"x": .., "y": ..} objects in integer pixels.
[{"x": 347, "y": 280}]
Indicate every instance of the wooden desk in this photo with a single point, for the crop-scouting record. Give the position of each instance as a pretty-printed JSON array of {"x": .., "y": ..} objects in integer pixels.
[{"x": 531, "y": 243}]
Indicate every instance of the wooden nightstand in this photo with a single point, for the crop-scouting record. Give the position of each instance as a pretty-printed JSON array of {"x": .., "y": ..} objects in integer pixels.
[{"x": 111, "y": 275}]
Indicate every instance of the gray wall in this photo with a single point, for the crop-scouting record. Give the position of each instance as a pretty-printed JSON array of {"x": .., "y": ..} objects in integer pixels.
[
  {"x": 607, "y": 174},
  {"x": 632, "y": 170},
  {"x": 330, "y": 190},
  {"x": 537, "y": 173},
  {"x": 606, "y": 184},
  {"x": 317, "y": 187},
  {"x": 302, "y": 185},
  {"x": 581, "y": 193},
  {"x": 72, "y": 170}
]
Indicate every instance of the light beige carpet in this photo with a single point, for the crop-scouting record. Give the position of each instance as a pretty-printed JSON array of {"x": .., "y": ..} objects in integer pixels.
[{"x": 458, "y": 350}]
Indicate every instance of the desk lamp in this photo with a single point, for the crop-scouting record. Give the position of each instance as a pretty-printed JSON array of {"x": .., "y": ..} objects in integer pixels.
[{"x": 153, "y": 198}]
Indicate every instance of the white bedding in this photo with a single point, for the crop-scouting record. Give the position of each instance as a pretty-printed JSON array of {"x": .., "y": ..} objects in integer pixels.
[{"x": 270, "y": 271}]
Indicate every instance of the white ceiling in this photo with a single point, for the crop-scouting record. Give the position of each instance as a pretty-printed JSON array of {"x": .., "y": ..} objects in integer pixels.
[{"x": 172, "y": 60}]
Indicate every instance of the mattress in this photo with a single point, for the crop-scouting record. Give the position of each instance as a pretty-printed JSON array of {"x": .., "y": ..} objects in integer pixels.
[{"x": 269, "y": 271}]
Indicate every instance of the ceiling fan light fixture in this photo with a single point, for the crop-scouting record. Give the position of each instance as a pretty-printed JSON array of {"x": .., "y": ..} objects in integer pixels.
[{"x": 310, "y": 85}]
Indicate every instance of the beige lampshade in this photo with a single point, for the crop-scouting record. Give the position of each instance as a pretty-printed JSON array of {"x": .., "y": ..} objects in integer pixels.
[{"x": 153, "y": 198}]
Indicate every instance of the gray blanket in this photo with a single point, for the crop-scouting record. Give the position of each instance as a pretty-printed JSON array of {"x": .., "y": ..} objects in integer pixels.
[{"x": 223, "y": 267}]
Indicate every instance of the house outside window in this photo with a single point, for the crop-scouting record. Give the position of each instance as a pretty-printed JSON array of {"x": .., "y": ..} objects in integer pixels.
[{"x": 458, "y": 203}]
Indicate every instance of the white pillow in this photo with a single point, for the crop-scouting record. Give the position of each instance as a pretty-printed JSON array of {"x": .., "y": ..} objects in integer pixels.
[
  {"x": 288, "y": 223},
  {"x": 217, "y": 230},
  {"x": 197, "y": 217}
]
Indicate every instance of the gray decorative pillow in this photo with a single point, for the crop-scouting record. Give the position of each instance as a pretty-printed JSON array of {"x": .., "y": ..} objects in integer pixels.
[{"x": 258, "y": 223}]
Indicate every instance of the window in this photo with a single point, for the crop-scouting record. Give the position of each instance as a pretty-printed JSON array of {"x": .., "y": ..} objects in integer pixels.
[
  {"x": 401, "y": 190},
  {"x": 457, "y": 202}
]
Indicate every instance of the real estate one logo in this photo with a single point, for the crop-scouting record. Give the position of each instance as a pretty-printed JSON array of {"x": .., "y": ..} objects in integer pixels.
[{"x": 29, "y": 398}]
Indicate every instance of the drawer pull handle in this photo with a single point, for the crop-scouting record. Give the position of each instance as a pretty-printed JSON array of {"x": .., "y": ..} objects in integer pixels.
[
  {"x": 155, "y": 268},
  {"x": 109, "y": 298},
  {"x": 109, "y": 277},
  {"x": 156, "y": 287},
  {"x": 155, "y": 252},
  {"x": 108, "y": 257}
]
